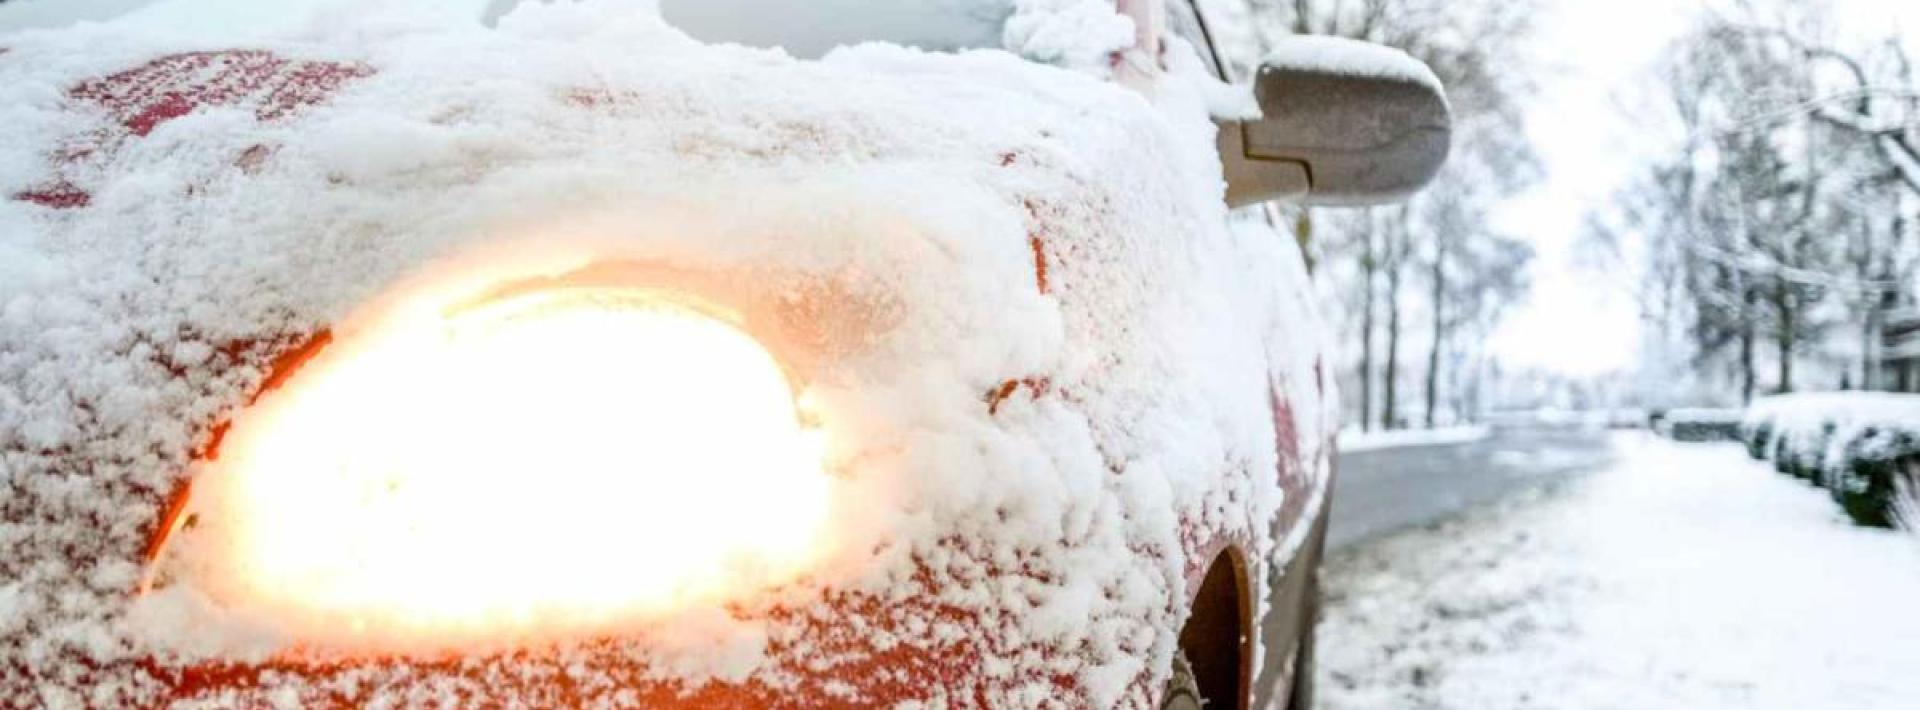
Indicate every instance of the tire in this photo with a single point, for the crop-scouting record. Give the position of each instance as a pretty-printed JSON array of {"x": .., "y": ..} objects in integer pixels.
[{"x": 1183, "y": 688}]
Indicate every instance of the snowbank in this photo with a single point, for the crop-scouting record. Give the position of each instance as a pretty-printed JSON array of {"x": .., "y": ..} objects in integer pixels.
[
  {"x": 1682, "y": 578},
  {"x": 1000, "y": 275},
  {"x": 1355, "y": 441}
]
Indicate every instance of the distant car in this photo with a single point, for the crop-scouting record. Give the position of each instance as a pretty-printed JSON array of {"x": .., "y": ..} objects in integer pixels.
[
  {"x": 1701, "y": 424},
  {"x": 575, "y": 363}
]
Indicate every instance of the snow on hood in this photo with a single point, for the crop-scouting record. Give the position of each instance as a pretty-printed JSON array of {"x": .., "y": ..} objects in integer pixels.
[{"x": 1014, "y": 223}]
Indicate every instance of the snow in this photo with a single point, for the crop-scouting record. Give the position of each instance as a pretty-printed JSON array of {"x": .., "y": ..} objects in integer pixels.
[
  {"x": 1081, "y": 34},
  {"x": 1351, "y": 58},
  {"x": 1685, "y": 577},
  {"x": 1812, "y": 410},
  {"x": 1354, "y": 440},
  {"x": 154, "y": 262}
]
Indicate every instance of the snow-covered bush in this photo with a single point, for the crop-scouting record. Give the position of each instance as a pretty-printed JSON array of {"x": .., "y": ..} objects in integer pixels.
[
  {"x": 1757, "y": 433},
  {"x": 1861, "y": 446},
  {"x": 1700, "y": 424}
]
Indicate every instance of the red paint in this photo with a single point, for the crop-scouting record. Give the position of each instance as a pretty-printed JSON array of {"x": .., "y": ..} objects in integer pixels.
[
  {"x": 589, "y": 98},
  {"x": 1037, "y": 231},
  {"x": 279, "y": 370},
  {"x": 1036, "y": 386},
  {"x": 823, "y": 651},
  {"x": 304, "y": 84},
  {"x": 165, "y": 109},
  {"x": 1286, "y": 433},
  {"x": 59, "y": 195},
  {"x": 169, "y": 519},
  {"x": 1039, "y": 262},
  {"x": 284, "y": 366},
  {"x": 1292, "y": 472},
  {"x": 139, "y": 100}
]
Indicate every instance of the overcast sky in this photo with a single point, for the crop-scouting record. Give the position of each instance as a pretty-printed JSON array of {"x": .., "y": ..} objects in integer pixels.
[{"x": 1579, "y": 320}]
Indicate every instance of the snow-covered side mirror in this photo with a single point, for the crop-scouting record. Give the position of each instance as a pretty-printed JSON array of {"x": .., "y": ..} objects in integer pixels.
[{"x": 1344, "y": 123}]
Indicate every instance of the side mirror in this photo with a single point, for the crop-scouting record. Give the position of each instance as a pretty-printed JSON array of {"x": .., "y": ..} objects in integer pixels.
[{"x": 1344, "y": 123}]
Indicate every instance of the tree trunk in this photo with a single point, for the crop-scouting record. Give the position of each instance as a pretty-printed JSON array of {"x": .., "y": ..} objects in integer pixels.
[
  {"x": 1439, "y": 329},
  {"x": 1367, "y": 267},
  {"x": 1784, "y": 339},
  {"x": 1396, "y": 250},
  {"x": 1748, "y": 377},
  {"x": 1869, "y": 378}
]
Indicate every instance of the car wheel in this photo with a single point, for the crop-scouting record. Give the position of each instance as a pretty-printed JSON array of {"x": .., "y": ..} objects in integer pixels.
[{"x": 1183, "y": 688}]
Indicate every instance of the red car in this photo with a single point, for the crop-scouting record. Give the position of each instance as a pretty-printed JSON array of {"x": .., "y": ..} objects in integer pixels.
[{"x": 593, "y": 357}]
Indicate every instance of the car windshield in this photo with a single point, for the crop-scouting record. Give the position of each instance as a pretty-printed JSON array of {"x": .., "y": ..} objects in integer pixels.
[
  {"x": 804, "y": 29},
  {"x": 812, "y": 28}
]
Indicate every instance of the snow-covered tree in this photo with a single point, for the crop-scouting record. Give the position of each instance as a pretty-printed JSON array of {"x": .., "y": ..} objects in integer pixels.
[{"x": 1781, "y": 216}]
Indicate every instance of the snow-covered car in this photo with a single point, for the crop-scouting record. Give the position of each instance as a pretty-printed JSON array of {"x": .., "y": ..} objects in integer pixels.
[
  {"x": 592, "y": 356},
  {"x": 1701, "y": 424}
]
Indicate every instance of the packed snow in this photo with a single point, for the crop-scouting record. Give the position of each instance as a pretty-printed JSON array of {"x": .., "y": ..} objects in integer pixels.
[
  {"x": 1686, "y": 576},
  {"x": 1354, "y": 440},
  {"x": 1336, "y": 55},
  {"x": 999, "y": 273}
]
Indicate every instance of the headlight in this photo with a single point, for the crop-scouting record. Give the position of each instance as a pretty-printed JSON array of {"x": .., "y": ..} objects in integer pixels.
[{"x": 549, "y": 462}]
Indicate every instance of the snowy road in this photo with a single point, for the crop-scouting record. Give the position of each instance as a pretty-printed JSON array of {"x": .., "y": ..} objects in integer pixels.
[
  {"x": 1682, "y": 576},
  {"x": 1386, "y": 490}
]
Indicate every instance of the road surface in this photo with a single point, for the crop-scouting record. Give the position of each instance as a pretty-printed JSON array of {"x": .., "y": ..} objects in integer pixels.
[{"x": 1386, "y": 490}]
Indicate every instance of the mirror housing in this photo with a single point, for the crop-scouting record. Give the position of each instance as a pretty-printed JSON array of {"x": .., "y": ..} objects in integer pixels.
[{"x": 1343, "y": 123}]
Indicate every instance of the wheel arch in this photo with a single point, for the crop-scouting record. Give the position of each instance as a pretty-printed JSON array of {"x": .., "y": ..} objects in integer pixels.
[{"x": 1218, "y": 637}]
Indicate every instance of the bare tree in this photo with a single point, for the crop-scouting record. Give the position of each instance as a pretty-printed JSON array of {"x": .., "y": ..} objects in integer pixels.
[
  {"x": 1473, "y": 274},
  {"x": 1394, "y": 259},
  {"x": 1369, "y": 264},
  {"x": 1477, "y": 48}
]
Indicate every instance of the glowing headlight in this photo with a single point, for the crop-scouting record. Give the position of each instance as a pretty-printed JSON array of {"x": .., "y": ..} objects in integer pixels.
[{"x": 553, "y": 461}]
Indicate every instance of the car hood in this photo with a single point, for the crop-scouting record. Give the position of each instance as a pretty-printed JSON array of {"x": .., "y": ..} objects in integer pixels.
[{"x": 1003, "y": 271}]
